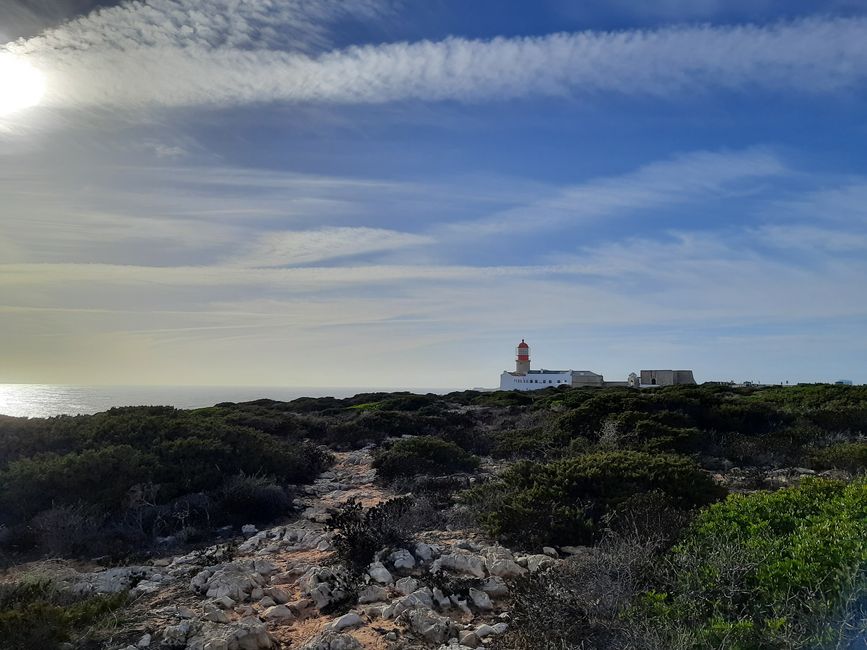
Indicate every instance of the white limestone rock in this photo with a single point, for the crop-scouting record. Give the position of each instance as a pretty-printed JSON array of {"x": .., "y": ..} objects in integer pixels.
[
  {"x": 176, "y": 635},
  {"x": 538, "y": 562},
  {"x": 420, "y": 599},
  {"x": 406, "y": 586},
  {"x": 346, "y": 621},
  {"x": 373, "y": 594},
  {"x": 481, "y": 600},
  {"x": 278, "y": 613},
  {"x": 380, "y": 574},
  {"x": 460, "y": 563},
  {"x": 402, "y": 560},
  {"x": 505, "y": 568},
  {"x": 214, "y": 613},
  {"x": 427, "y": 624},
  {"x": 280, "y": 596},
  {"x": 495, "y": 587},
  {"x": 424, "y": 552}
]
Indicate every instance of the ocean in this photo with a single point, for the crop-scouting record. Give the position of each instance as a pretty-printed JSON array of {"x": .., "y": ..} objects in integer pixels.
[{"x": 45, "y": 400}]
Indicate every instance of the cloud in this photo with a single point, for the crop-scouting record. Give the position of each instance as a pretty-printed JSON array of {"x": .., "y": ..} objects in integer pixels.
[
  {"x": 304, "y": 247},
  {"x": 684, "y": 178},
  {"x": 291, "y": 25},
  {"x": 812, "y": 239},
  {"x": 138, "y": 56}
]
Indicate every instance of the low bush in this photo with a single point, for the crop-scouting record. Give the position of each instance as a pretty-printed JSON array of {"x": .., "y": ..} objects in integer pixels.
[
  {"x": 785, "y": 569},
  {"x": 849, "y": 456},
  {"x": 563, "y": 502},
  {"x": 362, "y": 533},
  {"x": 423, "y": 455},
  {"x": 585, "y": 601},
  {"x": 38, "y": 615},
  {"x": 253, "y": 499},
  {"x": 111, "y": 482}
]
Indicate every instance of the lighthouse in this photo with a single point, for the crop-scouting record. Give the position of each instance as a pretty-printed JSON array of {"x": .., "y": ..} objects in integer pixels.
[
  {"x": 522, "y": 358},
  {"x": 525, "y": 379}
]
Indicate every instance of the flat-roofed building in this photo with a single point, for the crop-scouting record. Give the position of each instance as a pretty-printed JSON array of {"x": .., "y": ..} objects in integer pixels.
[{"x": 666, "y": 377}]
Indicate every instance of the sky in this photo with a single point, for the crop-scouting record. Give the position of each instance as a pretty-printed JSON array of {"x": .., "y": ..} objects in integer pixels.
[{"x": 394, "y": 193}]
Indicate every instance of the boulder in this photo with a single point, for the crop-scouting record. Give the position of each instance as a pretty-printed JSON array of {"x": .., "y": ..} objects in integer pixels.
[
  {"x": 424, "y": 552},
  {"x": 247, "y": 634},
  {"x": 505, "y": 568},
  {"x": 480, "y": 599},
  {"x": 538, "y": 562},
  {"x": 441, "y": 599},
  {"x": 176, "y": 635},
  {"x": 420, "y": 599},
  {"x": 280, "y": 596},
  {"x": 460, "y": 563},
  {"x": 495, "y": 587},
  {"x": 237, "y": 580},
  {"x": 346, "y": 621},
  {"x": 406, "y": 585},
  {"x": 278, "y": 613},
  {"x": 373, "y": 594},
  {"x": 427, "y": 624},
  {"x": 214, "y": 613},
  {"x": 380, "y": 574},
  {"x": 112, "y": 581},
  {"x": 323, "y": 585},
  {"x": 402, "y": 560},
  {"x": 225, "y": 602}
]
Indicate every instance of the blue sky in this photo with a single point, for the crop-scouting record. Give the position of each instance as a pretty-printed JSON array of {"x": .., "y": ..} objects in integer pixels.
[{"x": 382, "y": 193}]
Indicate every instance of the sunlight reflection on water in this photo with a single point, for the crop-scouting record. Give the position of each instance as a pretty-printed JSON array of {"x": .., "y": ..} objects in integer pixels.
[{"x": 44, "y": 400}]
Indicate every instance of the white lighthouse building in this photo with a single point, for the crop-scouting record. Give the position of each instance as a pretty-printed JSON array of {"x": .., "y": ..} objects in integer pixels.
[{"x": 525, "y": 379}]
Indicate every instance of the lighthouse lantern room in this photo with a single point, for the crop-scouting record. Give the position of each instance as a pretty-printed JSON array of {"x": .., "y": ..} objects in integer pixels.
[{"x": 522, "y": 358}]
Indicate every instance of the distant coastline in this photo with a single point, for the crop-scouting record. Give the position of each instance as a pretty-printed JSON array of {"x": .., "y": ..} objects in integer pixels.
[{"x": 46, "y": 400}]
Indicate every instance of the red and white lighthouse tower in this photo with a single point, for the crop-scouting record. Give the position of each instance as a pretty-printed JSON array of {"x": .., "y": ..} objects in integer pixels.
[{"x": 522, "y": 358}]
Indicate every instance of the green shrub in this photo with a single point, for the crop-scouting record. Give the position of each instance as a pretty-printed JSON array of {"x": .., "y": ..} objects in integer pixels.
[
  {"x": 849, "y": 456},
  {"x": 504, "y": 398},
  {"x": 37, "y": 615},
  {"x": 253, "y": 499},
  {"x": 111, "y": 481},
  {"x": 774, "y": 570},
  {"x": 536, "y": 443},
  {"x": 98, "y": 476},
  {"x": 563, "y": 502},
  {"x": 423, "y": 455},
  {"x": 362, "y": 533}
]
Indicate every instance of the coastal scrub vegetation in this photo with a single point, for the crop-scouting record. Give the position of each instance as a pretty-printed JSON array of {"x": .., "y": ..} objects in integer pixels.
[
  {"x": 423, "y": 455},
  {"x": 773, "y": 570},
  {"x": 564, "y": 502},
  {"x": 120, "y": 479},
  {"x": 37, "y": 614},
  {"x": 637, "y": 479}
]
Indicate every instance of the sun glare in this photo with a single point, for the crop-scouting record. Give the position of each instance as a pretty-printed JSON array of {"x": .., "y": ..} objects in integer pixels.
[{"x": 21, "y": 85}]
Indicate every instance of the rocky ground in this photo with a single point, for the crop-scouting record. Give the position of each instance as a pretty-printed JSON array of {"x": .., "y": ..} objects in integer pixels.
[{"x": 279, "y": 588}]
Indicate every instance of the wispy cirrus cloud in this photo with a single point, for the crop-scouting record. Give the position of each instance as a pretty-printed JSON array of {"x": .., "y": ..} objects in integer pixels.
[
  {"x": 305, "y": 247},
  {"x": 138, "y": 56},
  {"x": 679, "y": 180},
  {"x": 291, "y": 25}
]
